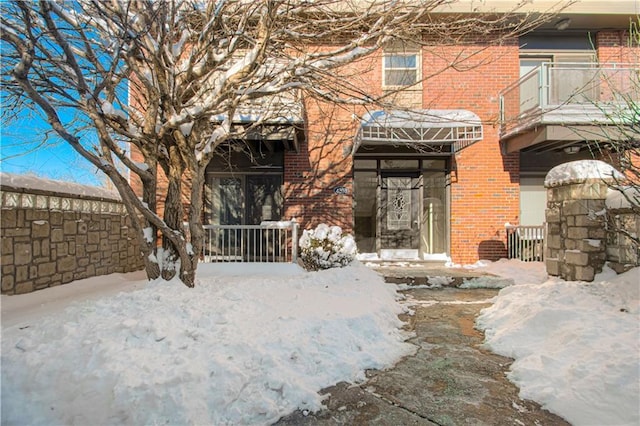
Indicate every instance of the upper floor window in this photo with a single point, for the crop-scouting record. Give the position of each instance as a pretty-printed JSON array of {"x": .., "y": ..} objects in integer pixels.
[{"x": 400, "y": 68}]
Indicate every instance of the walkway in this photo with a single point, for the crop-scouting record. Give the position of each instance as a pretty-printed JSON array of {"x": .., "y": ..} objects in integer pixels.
[{"x": 450, "y": 380}]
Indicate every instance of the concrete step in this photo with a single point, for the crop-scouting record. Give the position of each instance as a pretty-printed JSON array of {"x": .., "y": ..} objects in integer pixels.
[{"x": 420, "y": 276}]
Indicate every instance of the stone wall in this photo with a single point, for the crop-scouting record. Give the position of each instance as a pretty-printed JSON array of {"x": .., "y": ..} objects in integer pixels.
[
  {"x": 584, "y": 231},
  {"x": 622, "y": 252},
  {"x": 51, "y": 238}
]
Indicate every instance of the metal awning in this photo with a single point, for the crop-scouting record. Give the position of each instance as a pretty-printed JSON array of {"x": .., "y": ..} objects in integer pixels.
[
  {"x": 281, "y": 108},
  {"x": 275, "y": 117},
  {"x": 444, "y": 131}
]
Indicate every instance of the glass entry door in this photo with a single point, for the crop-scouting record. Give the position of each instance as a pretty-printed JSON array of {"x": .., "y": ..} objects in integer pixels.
[
  {"x": 245, "y": 199},
  {"x": 400, "y": 203},
  {"x": 400, "y": 208},
  {"x": 228, "y": 201}
]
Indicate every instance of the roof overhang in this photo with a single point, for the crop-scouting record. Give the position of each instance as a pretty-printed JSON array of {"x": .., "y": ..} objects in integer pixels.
[
  {"x": 270, "y": 118},
  {"x": 556, "y": 137},
  {"x": 432, "y": 130}
]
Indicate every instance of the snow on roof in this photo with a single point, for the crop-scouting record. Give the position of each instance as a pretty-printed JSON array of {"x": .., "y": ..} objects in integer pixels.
[
  {"x": 579, "y": 171},
  {"x": 449, "y": 129},
  {"x": 58, "y": 186},
  {"x": 421, "y": 118},
  {"x": 623, "y": 198},
  {"x": 281, "y": 108}
]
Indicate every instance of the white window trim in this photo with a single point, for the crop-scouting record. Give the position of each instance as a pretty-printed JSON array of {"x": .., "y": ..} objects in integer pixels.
[{"x": 406, "y": 52}]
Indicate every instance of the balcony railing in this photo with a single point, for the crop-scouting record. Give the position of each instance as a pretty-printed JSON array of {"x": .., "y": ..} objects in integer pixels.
[
  {"x": 525, "y": 242},
  {"x": 577, "y": 92},
  {"x": 267, "y": 242}
]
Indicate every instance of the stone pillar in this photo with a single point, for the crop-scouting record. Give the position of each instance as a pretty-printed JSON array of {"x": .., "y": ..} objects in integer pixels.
[
  {"x": 576, "y": 229},
  {"x": 623, "y": 252}
]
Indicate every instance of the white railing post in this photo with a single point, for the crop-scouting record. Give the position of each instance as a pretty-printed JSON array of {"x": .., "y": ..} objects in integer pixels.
[
  {"x": 267, "y": 242},
  {"x": 525, "y": 242},
  {"x": 544, "y": 85},
  {"x": 294, "y": 241}
]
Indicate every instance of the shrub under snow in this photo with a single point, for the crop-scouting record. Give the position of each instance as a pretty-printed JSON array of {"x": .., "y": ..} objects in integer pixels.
[{"x": 326, "y": 247}]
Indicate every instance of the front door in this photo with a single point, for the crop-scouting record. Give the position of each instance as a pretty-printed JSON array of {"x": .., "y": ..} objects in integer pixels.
[
  {"x": 400, "y": 204},
  {"x": 239, "y": 201},
  {"x": 245, "y": 199},
  {"x": 400, "y": 208}
]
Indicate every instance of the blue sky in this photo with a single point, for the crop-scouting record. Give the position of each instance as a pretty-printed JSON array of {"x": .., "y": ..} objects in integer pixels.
[{"x": 23, "y": 150}]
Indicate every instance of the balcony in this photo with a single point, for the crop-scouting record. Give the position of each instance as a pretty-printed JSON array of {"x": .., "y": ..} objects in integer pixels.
[{"x": 561, "y": 105}]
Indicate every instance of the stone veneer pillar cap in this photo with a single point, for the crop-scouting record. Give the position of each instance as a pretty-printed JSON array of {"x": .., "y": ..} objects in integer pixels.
[{"x": 581, "y": 171}]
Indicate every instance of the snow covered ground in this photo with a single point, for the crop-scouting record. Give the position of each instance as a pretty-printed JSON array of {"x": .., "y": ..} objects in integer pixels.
[
  {"x": 576, "y": 345},
  {"x": 237, "y": 349},
  {"x": 248, "y": 345}
]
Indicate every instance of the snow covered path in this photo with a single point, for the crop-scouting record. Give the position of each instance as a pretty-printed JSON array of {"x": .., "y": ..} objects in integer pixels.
[{"x": 450, "y": 380}]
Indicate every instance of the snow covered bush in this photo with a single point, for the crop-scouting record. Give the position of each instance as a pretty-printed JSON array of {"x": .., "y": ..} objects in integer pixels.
[{"x": 326, "y": 247}]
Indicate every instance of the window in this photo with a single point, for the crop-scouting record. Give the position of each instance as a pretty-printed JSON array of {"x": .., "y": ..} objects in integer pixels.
[
  {"x": 245, "y": 188},
  {"x": 400, "y": 68}
]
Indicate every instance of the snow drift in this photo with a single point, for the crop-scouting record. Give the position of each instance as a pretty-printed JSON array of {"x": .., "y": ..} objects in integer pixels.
[
  {"x": 575, "y": 346},
  {"x": 233, "y": 350}
]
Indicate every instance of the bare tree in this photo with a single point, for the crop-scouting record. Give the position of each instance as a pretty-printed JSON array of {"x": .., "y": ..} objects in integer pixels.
[
  {"x": 164, "y": 80},
  {"x": 620, "y": 106},
  {"x": 623, "y": 147}
]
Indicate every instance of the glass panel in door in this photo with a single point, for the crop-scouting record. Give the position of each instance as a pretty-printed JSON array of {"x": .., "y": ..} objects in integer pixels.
[
  {"x": 264, "y": 203},
  {"x": 365, "y": 187},
  {"x": 227, "y": 201},
  {"x": 400, "y": 200},
  {"x": 227, "y": 207},
  {"x": 434, "y": 213},
  {"x": 264, "y": 199}
]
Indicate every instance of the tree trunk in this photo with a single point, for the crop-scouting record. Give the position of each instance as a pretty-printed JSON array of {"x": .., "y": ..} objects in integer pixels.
[
  {"x": 195, "y": 220},
  {"x": 149, "y": 191},
  {"x": 175, "y": 242},
  {"x": 173, "y": 217},
  {"x": 151, "y": 268}
]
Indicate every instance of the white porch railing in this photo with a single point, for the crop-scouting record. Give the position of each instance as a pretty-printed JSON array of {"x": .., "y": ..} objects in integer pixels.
[
  {"x": 525, "y": 242},
  {"x": 267, "y": 242}
]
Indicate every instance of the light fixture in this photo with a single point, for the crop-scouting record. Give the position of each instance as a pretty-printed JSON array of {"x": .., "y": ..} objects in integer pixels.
[
  {"x": 573, "y": 149},
  {"x": 563, "y": 24}
]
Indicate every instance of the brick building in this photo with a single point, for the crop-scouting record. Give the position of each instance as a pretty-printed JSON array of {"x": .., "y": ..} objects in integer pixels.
[{"x": 466, "y": 153}]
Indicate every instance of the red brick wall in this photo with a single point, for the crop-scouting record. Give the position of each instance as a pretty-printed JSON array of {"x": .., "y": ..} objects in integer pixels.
[
  {"x": 485, "y": 183},
  {"x": 617, "y": 46},
  {"x": 614, "y": 46},
  {"x": 323, "y": 163},
  {"x": 325, "y": 160}
]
